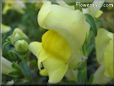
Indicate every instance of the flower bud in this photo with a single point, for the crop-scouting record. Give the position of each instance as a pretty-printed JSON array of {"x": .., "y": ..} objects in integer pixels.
[
  {"x": 5, "y": 28},
  {"x": 21, "y": 46},
  {"x": 6, "y": 66},
  {"x": 18, "y": 35},
  {"x": 101, "y": 42},
  {"x": 104, "y": 51}
]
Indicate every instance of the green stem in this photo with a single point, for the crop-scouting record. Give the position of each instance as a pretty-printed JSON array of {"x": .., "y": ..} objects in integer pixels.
[{"x": 82, "y": 74}]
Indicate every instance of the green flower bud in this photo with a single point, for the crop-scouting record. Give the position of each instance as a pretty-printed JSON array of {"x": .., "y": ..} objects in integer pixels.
[
  {"x": 6, "y": 66},
  {"x": 21, "y": 46},
  {"x": 5, "y": 28},
  {"x": 18, "y": 35}
]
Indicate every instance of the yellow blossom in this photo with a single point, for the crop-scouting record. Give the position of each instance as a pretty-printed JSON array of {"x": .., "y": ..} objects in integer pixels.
[
  {"x": 104, "y": 51},
  {"x": 69, "y": 23},
  {"x": 17, "y": 5},
  {"x": 61, "y": 46}
]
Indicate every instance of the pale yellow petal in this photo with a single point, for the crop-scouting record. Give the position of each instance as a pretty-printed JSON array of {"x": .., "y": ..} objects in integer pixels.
[
  {"x": 104, "y": 51},
  {"x": 43, "y": 72},
  {"x": 68, "y": 23},
  {"x": 56, "y": 68},
  {"x": 6, "y": 66},
  {"x": 98, "y": 13},
  {"x": 101, "y": 42},
  {"x": 45, "y": 13},
  {"x": 109, "y": 60},
  {"x": 72, "y": 75},
  {"x": 99, "y": 77},
  {"x": 5, "y": 28},
  {"x": 36, "y": 49}
]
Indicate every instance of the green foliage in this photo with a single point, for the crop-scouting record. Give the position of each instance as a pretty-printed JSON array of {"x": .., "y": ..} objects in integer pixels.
[
  {"x": 89, "y": 43},
  {"x": 24, "y": 64},
  {"x": 82, "y": 74}
]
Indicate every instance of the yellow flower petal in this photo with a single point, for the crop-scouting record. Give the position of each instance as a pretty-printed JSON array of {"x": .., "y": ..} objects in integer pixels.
[
  {"x": 57, "y": 52},
  {"x": 101, "y": 42},
  {"x": 99, "y": 77},
  {"x": 53, "y": 43},
  {"x": 109, "y": 60},
  {"x": 44, "y": 72},
  {"x": 104, "y": 51},
  {"x": 36, "y": 48},
  {"x": 56, "y": 68},
  {"x": 65, "y": 21}
]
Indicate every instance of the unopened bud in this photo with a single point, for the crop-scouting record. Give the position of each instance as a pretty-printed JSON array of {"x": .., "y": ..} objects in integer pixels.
[
  {"x": 18, "y": 35},
  {"x": 5, "y": 28},
  {"x": 21, "y": 46}
]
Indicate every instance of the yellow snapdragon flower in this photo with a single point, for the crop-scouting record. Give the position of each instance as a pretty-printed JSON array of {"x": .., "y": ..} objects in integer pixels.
[
  {"x": 17, "y": 5},
  {"x": 104, "y": 51},
  {"x": 69, "y": 23},
  {"x": 61, "y": 46},
  {"x": 101, "y": 41}
]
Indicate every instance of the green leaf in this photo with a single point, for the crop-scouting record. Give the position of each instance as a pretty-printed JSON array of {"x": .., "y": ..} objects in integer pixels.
[
  {"x": 17, "y": 71},
  {"x": 82, "y": 74},
  {"x": 16, "y": 67},
  {"x": 25, "y": 69},
  {"x": 70, "y": 2},
  {"x": 92, "y": 23},
  {"x": 90, "y": 79},
  {"x": 89, "y": 43}
]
